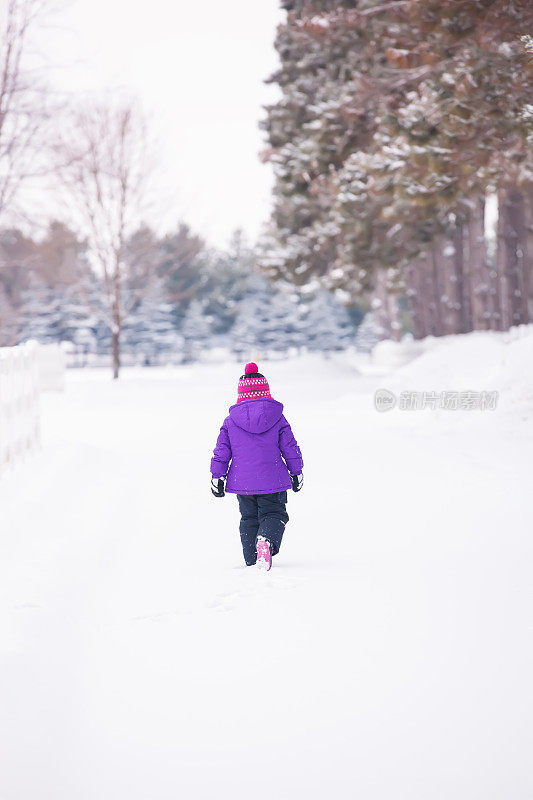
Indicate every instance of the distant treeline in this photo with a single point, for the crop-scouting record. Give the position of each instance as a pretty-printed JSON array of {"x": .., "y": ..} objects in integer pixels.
[{"x": 179, "y": 298}]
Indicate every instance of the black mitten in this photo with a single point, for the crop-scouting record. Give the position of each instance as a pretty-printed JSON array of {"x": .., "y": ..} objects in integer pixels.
[
  {"x": 297, "y": 482},
  {"x": 217, "y": 486}
]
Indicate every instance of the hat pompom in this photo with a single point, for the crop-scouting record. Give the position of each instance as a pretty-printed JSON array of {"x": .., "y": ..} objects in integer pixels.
[{"x": 250, "y": 368}]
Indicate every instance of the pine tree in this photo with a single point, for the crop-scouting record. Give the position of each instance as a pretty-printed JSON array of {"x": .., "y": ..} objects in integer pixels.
[
  {"x": 248, "y": 334},
  {"x": 369, "y": 333},
  {"x": 395, "y": 121},
  {"x": 328, "y": 325},
  {"x": 196, "y": 331}
]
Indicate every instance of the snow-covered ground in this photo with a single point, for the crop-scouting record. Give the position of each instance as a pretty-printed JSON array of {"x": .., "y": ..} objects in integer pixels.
[{"x": 386, "y": 656}]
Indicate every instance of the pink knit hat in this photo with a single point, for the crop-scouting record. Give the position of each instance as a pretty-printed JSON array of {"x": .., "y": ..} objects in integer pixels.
[{"x": 252, "y": 385}]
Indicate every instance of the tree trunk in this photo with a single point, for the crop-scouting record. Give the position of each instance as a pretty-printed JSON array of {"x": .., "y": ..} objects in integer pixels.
[
  {"x": 427, "y": 294},
  {"x": 513, "y": 266},
  {"x": 450, "y": 269},
  {"x": 463, "y": 277},
  {"x": 385, "y": 307},
  {"x": 526, "y": 255},
  {"x": 513, "y": 256},
  {"x": 468, "y": 323},
  {"x": 415, "y": 299},
  {"x": 501, "y": 273},
  {"x": 393, "y": 310},
  {"x": 432, "y": 289},
  {"x": 457, "y": 240},
  {"x": 436, "y": 305},
  {"x": 529, "y": 260},
  {"x": 117, "y": 320},
  {"x": 494, "y": 298},
  {"x": 427, "y": 280},
  {"x": 518, "y": 255},
  {"x": 115, "y": 349},
  {"x": 478, "y": 267}
]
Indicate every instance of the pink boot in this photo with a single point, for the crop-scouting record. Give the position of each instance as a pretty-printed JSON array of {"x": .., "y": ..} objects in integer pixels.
[{"x": 264, "y": 557}]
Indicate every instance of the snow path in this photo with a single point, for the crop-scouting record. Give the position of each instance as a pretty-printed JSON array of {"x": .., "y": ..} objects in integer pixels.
[{"x": 386, "y": 655}]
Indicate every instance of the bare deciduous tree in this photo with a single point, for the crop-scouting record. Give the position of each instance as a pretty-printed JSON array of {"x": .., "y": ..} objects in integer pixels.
[
  {"x": 105, "y": 171},
  {"x": 23, "y": 100}
]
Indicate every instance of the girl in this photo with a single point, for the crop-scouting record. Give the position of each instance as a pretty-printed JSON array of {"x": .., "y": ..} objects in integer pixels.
[{"x": 257, "y": 458}]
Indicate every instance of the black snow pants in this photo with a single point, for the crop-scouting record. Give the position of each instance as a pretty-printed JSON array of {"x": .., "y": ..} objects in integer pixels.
[{"x": 261, "y": 515}]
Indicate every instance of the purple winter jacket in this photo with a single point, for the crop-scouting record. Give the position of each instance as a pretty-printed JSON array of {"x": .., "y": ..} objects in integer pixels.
[{"x": 258, "y": 446}]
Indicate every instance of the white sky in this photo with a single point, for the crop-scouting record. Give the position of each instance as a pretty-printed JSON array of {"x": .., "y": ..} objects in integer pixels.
[{"x": 198, "y": 69}]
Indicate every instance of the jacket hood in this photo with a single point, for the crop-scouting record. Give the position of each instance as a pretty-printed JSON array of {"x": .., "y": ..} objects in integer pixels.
[{"x": 256, "y": 416}]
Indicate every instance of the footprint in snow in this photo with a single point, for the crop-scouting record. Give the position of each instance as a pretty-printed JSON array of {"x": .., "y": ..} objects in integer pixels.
[{"x": 255, "y": 583}]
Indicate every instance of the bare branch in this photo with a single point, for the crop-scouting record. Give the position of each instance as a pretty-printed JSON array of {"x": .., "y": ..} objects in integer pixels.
[{"x": 23, "y": 101}]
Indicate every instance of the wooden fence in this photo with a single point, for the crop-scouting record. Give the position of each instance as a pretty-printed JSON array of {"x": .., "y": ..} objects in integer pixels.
[{"x": 19, "y": 402}]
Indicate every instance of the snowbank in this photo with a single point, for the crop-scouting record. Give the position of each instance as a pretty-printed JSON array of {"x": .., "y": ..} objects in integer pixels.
[
  {"x": 389, "y": 354},
  {"x": 478, "y": 361},
  {"x": 385, "y": 655}
]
